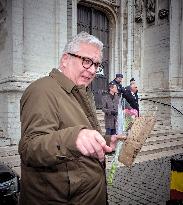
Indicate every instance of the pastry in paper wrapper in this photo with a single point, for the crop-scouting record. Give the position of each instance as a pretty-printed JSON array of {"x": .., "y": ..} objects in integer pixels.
[{"x": 137, "y": 135}]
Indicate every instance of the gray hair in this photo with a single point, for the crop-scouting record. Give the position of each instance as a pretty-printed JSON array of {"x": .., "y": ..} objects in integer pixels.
[{"x": 83, "y": 37}]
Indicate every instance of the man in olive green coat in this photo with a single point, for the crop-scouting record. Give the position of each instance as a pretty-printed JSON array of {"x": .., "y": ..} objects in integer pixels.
[{"x": 61, "y": 148}]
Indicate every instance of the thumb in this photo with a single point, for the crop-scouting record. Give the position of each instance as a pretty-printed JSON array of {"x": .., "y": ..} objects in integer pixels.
[
  {"x": 107, "y": 149},
  {"x": 120, "y": 137}
]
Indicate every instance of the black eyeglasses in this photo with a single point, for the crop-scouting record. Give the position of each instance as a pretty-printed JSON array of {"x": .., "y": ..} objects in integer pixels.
[{"x": 87, "y": 63}]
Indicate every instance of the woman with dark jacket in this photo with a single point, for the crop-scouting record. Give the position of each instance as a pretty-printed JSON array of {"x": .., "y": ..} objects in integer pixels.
[{"x": 110, "y": 108}]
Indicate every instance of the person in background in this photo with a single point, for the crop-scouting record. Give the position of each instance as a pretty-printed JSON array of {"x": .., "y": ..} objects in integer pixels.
[
  {"x": 110, "y": 107},
  {"x": 62, "y": 150},
  {"x": 131, "y": 96},
  {"x": 132, "y": 80},
  {"x": 118, "y": 81}
]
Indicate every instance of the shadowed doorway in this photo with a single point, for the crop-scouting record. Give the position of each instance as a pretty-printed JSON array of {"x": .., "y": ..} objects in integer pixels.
[{"x": 96, "y": 23}]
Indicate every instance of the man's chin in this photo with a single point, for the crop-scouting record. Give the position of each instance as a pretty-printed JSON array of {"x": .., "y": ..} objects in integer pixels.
[{"x": 85, "y": 83}]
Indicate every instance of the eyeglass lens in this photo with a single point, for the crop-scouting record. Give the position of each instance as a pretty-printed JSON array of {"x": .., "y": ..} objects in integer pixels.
[{"x": 87, "y": 62}]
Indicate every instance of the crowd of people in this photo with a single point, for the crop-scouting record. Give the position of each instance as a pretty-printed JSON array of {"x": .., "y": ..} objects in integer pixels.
[{"x": 110, "y": 101}]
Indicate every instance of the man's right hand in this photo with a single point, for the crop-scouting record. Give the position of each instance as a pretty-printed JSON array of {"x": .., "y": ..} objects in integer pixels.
[{"x": 91, "y": 143}]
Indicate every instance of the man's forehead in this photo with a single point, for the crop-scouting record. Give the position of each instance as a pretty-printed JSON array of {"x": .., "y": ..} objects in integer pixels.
[
  {"x": 134, "y": 85},
  {"x": 90, "y": 51}
]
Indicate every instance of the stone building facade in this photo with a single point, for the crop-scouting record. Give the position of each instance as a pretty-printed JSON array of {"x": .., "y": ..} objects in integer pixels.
[{"x": 144, "y": 41}]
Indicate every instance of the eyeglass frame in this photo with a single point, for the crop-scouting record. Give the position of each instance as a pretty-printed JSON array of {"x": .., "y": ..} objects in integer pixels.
[{"x": 98, "y": 66}]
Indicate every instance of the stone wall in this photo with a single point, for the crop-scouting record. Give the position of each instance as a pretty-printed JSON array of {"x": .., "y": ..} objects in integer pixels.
[
  {"x": 32, "y": 39},
  {"x": 156, "y": 57},
  {"x": 9, "y": 117}
]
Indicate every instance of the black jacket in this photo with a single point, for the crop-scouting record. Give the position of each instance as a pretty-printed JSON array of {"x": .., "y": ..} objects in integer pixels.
[{"x": 131, "y": 99}]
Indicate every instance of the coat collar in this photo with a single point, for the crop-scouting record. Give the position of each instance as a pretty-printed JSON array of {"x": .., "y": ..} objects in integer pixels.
[{"x": 64, "y": 81}]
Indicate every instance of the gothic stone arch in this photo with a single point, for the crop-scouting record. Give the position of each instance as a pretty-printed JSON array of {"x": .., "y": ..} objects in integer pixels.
[{"x": 98, "y": 18}]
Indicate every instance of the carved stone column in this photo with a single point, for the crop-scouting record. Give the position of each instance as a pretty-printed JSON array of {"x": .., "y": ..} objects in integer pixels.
[
  {"x": 130, "y": 54},
  {"x": 32, "y": 37},
  {"x": 175, "y": 74},
  {"x": 11, "y": 57},
  {"x": 176, "y": 61}
]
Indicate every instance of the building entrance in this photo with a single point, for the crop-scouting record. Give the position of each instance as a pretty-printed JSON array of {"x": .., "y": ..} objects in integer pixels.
[{"x": 96, "y": 23}]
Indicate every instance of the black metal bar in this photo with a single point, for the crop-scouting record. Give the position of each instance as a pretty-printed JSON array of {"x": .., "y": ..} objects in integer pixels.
[{"x": 165, "y": 104}]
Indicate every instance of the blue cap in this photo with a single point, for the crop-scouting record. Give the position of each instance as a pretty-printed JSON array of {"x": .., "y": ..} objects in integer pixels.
[{"x": 119, "y": 75}]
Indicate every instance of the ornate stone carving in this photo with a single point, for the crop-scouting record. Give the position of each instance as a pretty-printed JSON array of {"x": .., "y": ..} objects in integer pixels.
[
  {"x": 114, "y": 4},
  {"x": 3, "y": 12},
  {"x": 150, "y": 10},
  {"x": 163, "y": 13},
  {"x": 138, "y": 11},
  {"x": 3, "y": 15}
]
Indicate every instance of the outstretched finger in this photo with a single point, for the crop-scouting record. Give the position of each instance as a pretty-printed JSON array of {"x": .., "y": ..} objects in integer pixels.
[{"x": 99, "y": 152}]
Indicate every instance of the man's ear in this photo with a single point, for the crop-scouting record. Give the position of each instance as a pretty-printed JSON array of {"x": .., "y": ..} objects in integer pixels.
[{"x": 63, "y": 60}]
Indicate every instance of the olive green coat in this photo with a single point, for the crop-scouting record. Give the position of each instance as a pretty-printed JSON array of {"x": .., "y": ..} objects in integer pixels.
[{"x": 53, "y": 171}]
